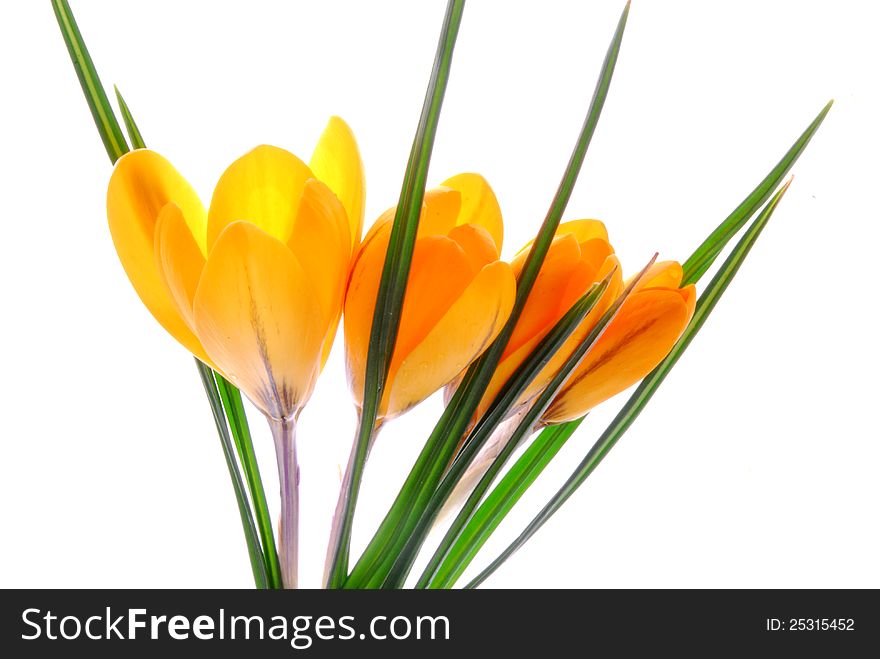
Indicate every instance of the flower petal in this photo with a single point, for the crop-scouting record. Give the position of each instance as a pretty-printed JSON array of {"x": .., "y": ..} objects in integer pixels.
[
  {"x": 662, "y": 274},
  {"x": 477, "y": 244},
  {"x": 178, "y": 258},
  {"x": 545, "y": 304},
  {"x": 459, "y": 337},
  {"x": 336, "y": 161},
  {"x": 142, "y": 184},
  {"x": 478, "y": 205},
  {"x": 439, "y": 274},
  {"x": 263, "y": 187},
  {"x": 644, "y": 331},
  {"x": 440, "y": 210},
  {"x": 321, "y": 242},
  {"x": 259, "y": 320}
]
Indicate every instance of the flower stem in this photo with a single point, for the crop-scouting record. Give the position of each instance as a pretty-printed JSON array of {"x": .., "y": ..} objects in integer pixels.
[
  {"x": 344, "y": 489},
  {"x": 284, "y": 434}
]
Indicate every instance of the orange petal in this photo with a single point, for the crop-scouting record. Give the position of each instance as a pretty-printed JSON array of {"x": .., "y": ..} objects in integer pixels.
[
  {"x": 545, "y": 304},
  {"x": 142, "y": 184},
  {"x": 336, "y": 161},
  {"x": 479, "y": 205},
  {"x": 439, "y": 274},
  {"x": 259, "y": 320},
  {"x": 263, "y": 187},
  {"x": 459, "y": 337},
  {"x": 440, "y": 210},
  {"x": 360, "y": 301},
  {"x": 581, "y": 230},
  {"x": 476, "y": 243},
  {"x": 662, "y": 274},
  {"x": 644, "y": 331}
]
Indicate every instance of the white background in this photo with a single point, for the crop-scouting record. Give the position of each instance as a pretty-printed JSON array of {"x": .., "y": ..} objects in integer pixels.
[{"x": 755, "y": 465}]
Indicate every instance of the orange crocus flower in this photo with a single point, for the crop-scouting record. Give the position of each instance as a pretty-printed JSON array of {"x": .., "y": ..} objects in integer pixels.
[
  {"x": 579, "y": 256},
  {"x": 254, "y": 286},
  {"x": 648, "y": 324},
  {"x": 458, "y": 295}
]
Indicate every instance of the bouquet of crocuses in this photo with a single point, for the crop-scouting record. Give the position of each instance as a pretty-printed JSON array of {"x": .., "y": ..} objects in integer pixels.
[{"x": 256, "y": 286}]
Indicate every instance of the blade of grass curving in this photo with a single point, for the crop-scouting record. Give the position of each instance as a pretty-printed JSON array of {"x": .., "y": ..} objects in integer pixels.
[
  {"x": 504, "y": 404},
  {"x": 392, "y": 288},
  {"x": 450, "y": 561},
  {"x": 235, "y": 413},
  {"x": 703, "y": 257},
  {"x": 96, "y": 97},
  {"x": 254, "y": 551},
  {"x": 645, "y": 391},
  {"x": 116, "y": 146},
  {"x": 523, "y": 430},
  {"x": 440, "y": 447},
  {"x": 134, "y": 133}
]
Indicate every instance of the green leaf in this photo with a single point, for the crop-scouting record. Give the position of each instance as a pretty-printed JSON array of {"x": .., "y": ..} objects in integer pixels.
[
  {"x": 235, "y": 413},
  {"x": 134, "y": 134},
  {"x": 115, "y": 145},
  {"x": 470, "y": 539},
  {"x": 645, "y": 391},
  {"x": 392, "y": 288},
  {"x": 96, "y": 97},
  {"x": 703, "y": 257},
  {"x": 523, "y": 430},
  {"x": 247, "y": 521},
  {"x": 372, "y": 568}
]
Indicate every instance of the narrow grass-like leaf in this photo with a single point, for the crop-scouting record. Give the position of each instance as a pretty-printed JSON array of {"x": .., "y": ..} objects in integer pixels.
[
  {"x": 247, "y": 521},
  {"x": 96, "y": 97},
  {"x": 502, "y": 499},
  {"x": 645, "y": 391},
  {"x": 393, "y": 533},
  {"x": 392, "y": 288},
  {"x": 703, "y": 257},
  {"x": 134, "y": 133},
  {"x": 235, "y": 413},
  {"x": 523, "y": 430},
  {"x": 115, "y": 145}
]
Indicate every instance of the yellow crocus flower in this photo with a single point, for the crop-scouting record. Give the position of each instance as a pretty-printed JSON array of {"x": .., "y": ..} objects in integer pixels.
[
  {"x": 254, "y": 286},
  {"x": 648, "y": 324},
  {"x": 458, "y": 295}
]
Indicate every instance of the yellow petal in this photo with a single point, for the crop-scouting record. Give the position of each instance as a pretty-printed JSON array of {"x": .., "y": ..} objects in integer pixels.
[
  {"x": 142, "y": 184},
  {"x": 478, "y": 205},
  {"x": 321, "y": 242},
  {"x": 337, "y": 162},
  {"x": 179, "y": 259},
  {"x": 458, "y": 338},
  {"x": 259, "y": 320},
  {"x": 263, "y": 187},
  {"x": 643, "y": 332}
]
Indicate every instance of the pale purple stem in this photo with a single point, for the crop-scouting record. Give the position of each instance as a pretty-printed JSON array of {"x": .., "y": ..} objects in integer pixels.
[{"x": 284, "y": 434}]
